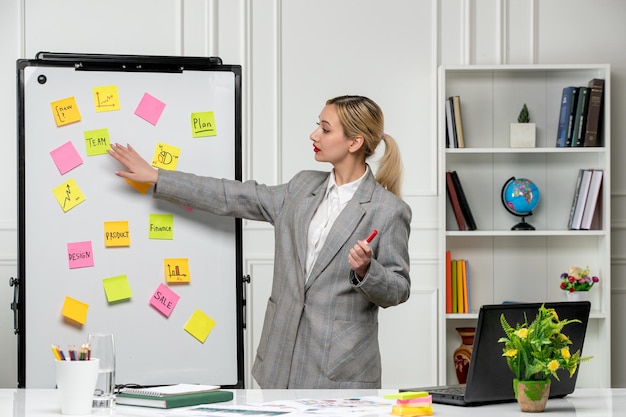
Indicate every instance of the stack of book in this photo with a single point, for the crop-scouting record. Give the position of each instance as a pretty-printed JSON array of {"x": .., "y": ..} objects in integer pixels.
[
  {"x": 458, "y": 298},
  {"x": 586, "y": 204},
  {"x": 580, "y": 116},
  {"x": 454, "y": 123},
  {"x": 460, "y": 206}
]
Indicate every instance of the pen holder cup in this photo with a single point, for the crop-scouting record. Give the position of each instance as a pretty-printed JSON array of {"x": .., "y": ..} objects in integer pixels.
[{"x": 76, "y": 381}]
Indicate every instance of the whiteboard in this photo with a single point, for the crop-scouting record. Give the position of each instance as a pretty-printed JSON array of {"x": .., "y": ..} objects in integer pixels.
[{"x": 151, "y": 347}]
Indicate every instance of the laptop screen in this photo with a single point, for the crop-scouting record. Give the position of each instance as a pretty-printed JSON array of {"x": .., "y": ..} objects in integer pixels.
[{"x": 489, "y": 377}]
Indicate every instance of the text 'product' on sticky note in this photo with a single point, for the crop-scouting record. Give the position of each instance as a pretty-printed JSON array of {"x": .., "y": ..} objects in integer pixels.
[
  {"x": 75, "y": 310},
  {"x": 116, "y": 234},
  {"x": 150, "y": 109},
  {"x": 203, "y": 124},
  {"x": 80, "y": 254},
  {"x": 199, "y": 325},
  {"x": 97, "y": 142},
  {"x": 65, "y": 111},
  {"x": 164, "y": 300},
  {"x": 105, "y": 98},
  {"x": 68, "y": 195},
  {"x": 66, "y": 157},
  {"x": 176, "y": 270},
  {"x": 117, "y": 288},
  {"x": 165, "y": 156},
  {"x": 161, "y": 226}
]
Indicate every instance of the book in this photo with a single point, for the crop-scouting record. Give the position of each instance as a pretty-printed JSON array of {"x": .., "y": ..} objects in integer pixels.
[
  {"x": 173, "y": 401},
  {"x": 465, "y": 208},
  {"x": 468, "y": 304},
  {"x": 580, "y": 119},
  {"x": 572, "y": 210},
  {"x": 448, "y": 282},
  {"x": 454, "y": 286},
  {"x": 460, "y": 288},
  {"x": 450, "y": 125},
  {"x": 582, "y": 191},
  {"x": 175, "y": 389},
  {"x": 566, "y": 116},
  {"x": 458, "y": 121},
  {"x": 454, "y": 201},
  {"x": 592, "y": 199},
  {"x": 594, "y": 113}
]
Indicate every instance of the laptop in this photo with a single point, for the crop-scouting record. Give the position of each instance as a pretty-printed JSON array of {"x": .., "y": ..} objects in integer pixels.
[{"x": 489, "y": 379}]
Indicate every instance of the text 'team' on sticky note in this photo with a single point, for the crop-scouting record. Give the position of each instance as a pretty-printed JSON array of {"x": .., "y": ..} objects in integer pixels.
[
  {"x": 80, "y": 254},
  {"x": 203, "y": 124},
  {"x": 65, "y": 111},
  {"x": 199, "y": 325},
  {"x": 66, "y": 157},
  {"x": 105, "y": 98},
  {"x": 164, "y": 300},
  {"x": 97, "y": 142},
  {"x": 161, "y": 226},
  {"x": 165, "y": 156},
  {"x": 75, "y": 310},
  {"x": 68, "y": 195},
  {"x": 117, "y": 288},
  {"x": 150, "y": 109},
  {"x": 116, "y": 234},
  {"x": 176, "y": 270},
  {"x": 142, "y": 187}
]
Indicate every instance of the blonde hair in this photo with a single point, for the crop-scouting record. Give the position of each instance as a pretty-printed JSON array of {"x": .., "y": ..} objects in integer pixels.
[{"x": 362, "y": 116}]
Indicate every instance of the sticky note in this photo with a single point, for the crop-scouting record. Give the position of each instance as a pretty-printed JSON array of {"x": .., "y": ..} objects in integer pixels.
[
  {"x": 398, "y": 410},
  {"x": 117, "y": 288},
  {"x": 105, "y": 98},
  {"x": 75, "y": 310},
  {"x": 68, "y": 195},
  {"x": 116, "y": 234},
  {"x": 142, "y": 187},
  {"x": 150, "y": 109},
  {"x": 164, "y": 300},
  {"x": 165, "y": 156},
  {"x": 203, "y": 124},
  {"x": 418, "y": 401},
  {"x": 97, "y": 142},
  {"x": 65, "y": 111},
  {"x": 80, "y": 254},
  {"x": 161, "y": 226},
  {"x": 66, "y": 157},
  {"x": 406, "y": 395},
  {"x": 176, "y": 270},
  {"x": 199, "y": 325}
]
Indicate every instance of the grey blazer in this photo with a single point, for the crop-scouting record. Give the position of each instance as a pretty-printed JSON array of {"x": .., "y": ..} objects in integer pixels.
[{"x": 322, "y": 334}]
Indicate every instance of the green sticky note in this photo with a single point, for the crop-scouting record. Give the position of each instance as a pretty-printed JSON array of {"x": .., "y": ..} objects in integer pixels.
[
  {"x": 407, "y": 395},
  {"x": 97, "y": 142},
  {"x": 203, "y": 124},
  {"x": 117, "y": 288},
  {"x": 161, "y": 226}
]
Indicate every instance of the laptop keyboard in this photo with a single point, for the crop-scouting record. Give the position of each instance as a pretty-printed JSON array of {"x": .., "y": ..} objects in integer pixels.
[{"x": 449, "y": 390}]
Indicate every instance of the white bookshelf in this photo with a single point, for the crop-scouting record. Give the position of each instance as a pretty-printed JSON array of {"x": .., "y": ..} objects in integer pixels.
[{"x": 507, "y": 265}]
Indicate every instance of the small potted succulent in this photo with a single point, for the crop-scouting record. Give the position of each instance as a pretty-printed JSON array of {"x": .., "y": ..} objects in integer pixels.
[{"x": 522, "y": 133}]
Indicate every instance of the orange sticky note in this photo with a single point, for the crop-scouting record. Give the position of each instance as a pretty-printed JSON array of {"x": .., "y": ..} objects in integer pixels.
[
  {"x": 116, "y": 234},
  {"x": 65, "y": 111},
  {"x": 177, "y": 270},
  {"x": 75, "y": 310},
  {"x": 199, "y": 325},
  {"x": 142, "y": 187}
]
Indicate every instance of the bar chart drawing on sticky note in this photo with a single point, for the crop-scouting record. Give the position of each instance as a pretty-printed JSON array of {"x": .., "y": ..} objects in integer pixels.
[{"x": 177, "y": 270}]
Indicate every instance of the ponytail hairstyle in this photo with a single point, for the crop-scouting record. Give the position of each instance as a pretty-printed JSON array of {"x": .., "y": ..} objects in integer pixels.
[{"x": 361, "y": 116}]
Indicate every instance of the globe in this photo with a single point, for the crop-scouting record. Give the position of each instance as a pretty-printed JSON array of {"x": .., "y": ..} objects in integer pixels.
[{"x": 520, "y": 197}]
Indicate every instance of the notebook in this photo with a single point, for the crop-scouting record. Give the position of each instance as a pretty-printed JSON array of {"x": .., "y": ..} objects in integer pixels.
[
  {"x": 167, "y": 390},
  {"x": 489, "y": 379}
]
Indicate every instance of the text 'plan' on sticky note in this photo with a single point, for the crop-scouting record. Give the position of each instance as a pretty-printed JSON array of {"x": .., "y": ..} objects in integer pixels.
[
  {"x": 68, "y": 195},
  {"x": 66, "y": 157},
  {"x": 161, "y": 226},
  {"x": 116, "y": 234},
  {"x": 165, "y": 156},
  {"x": 97, "y": 142},
  {"x": 80, "y": 254},
  {"x": 75, "y": 310},
  {"x": 199, "y": 325},
  {"x": 150, "y": 109},
  {"x": 105, "y": 98},
  {"x": 164, "y": 300},
  {"x": 117, "y": 288},
  {"x": 65, "y": 111},
  {"x": 176, "y": 270},
  {"x": 203, "y": 124}
]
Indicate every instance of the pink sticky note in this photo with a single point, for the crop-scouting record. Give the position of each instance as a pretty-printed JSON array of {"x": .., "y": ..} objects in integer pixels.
[
  {"x": 80, "y": 254},
  {"x": 164, "y": 300},
  {"x": 150, "y": 109},
  {"x": 66, "y": 157}
]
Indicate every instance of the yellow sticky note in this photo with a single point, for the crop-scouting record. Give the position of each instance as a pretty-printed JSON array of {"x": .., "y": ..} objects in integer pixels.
[
  {"x": 117, "y": 288},
  {"x": 165, "y": 156},
  {"x": 68, "y": 195},
  {"x": 142, "y": 187},
  {"x": 75, "y": 310},
  {"x": 176, "y": 270},
  {"x": 161, "y": 226},
  {"x": 199, "y": 325},
  {"x": 105, "y": 98},
  {"x": 203, "y": 124},
  {"x": 97, "y": 142},
  {"x": 116, "y": 234},
  {"x": 65, "y": 111}
]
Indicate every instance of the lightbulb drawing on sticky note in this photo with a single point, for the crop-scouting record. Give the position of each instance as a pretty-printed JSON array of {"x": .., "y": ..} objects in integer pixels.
[
  {"x": 165, "y": 156},
  {"x": 199, "y": 325}
]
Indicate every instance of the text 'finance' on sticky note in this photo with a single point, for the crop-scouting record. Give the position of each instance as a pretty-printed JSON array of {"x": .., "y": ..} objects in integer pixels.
[{"x": 161, "y": 226}]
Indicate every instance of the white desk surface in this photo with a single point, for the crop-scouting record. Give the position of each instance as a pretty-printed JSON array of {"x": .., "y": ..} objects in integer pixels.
[{"x": 583, "y": 402}]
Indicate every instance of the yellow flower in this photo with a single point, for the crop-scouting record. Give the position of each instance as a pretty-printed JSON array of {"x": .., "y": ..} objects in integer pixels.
[
  {"x": 565, "y": 353},
  {"x": 510, "y": 353},
  {"x": 522, "y": 333},
  {"x": 553, "y": 365},
  {"x": 555, "y": 316}
]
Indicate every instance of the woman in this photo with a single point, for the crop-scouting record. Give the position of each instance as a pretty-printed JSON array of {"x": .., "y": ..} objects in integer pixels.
[{"x": 321, "y": 321}]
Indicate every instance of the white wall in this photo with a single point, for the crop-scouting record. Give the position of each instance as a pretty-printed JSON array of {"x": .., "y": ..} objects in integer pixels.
[{"x": 297, "y": 53}]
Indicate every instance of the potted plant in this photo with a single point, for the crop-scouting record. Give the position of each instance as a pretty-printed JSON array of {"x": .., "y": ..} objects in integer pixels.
[
  {"x": 534, "y": 352},
  {"x": 522, "y": 133},
  {"x": 577, "y": 282}
]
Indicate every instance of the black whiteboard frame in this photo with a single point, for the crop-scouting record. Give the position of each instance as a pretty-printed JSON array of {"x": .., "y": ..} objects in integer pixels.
[{"x": 125, "y": 63}]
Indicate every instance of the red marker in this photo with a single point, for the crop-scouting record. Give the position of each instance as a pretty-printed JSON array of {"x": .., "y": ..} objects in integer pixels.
[{"x": 371, "y": 236}]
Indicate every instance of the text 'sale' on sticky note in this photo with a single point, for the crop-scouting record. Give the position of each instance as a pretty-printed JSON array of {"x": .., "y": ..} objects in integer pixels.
[{"x": 164, "y": 300}]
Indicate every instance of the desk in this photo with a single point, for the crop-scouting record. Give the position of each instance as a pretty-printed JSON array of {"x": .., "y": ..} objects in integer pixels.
[{"x": 582, "y": 403}]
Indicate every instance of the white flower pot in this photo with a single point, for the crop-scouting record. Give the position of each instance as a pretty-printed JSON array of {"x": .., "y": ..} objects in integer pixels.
[
  {"x": 522, "y": 135},
  {"x": 577, "y": 296}
]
